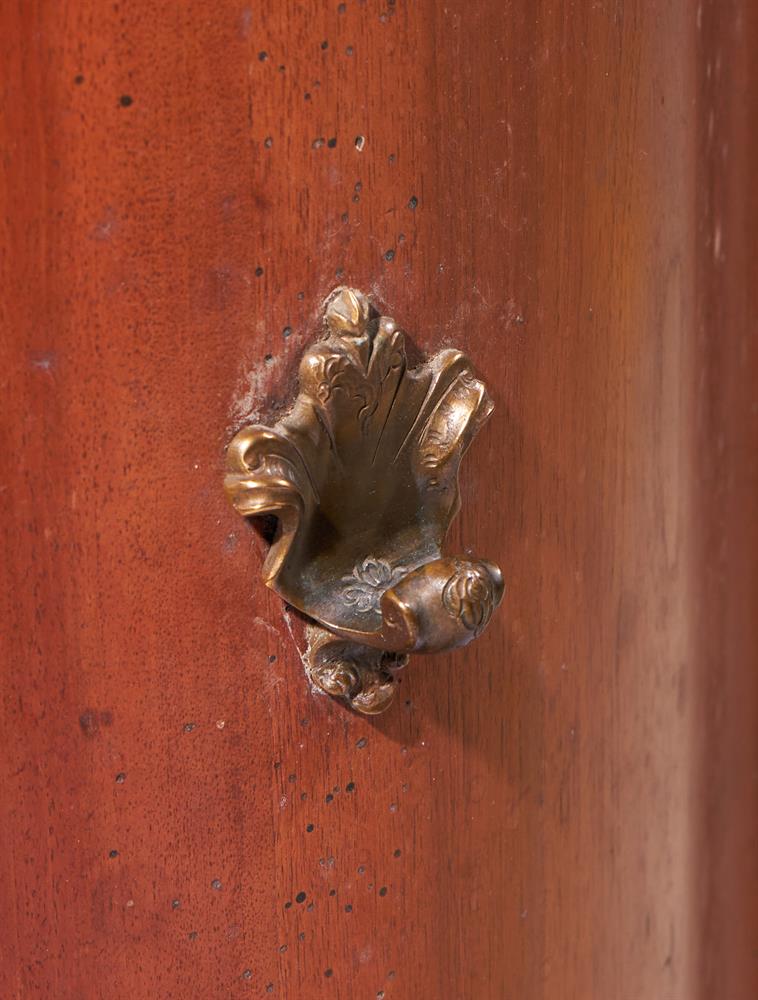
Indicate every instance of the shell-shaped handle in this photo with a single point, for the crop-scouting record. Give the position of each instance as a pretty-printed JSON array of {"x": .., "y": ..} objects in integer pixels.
[{"x": 362, "y": 479}]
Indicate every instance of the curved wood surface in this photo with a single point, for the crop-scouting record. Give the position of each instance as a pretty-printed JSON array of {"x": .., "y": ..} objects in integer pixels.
[{"x": 566, "y": 192}]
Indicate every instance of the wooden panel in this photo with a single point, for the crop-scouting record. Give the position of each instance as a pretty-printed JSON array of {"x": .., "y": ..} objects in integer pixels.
[
  {"x": 561, "y": 810},
  {"x": 726, "y": 490}
]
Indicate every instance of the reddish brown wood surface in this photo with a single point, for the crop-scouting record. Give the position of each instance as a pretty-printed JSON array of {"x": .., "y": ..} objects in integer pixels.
[{"x": 563, "y": 810}]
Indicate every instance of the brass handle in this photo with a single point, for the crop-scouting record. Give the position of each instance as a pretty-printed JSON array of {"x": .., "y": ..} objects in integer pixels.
[{"x": 362, "y": 476}]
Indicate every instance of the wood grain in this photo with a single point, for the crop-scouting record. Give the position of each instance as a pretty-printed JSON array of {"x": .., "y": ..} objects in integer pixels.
[{"x": 565, "y": 191}]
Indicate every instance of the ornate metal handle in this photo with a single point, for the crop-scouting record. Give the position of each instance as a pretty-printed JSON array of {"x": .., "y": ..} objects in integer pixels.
[{"x": 362, "y": 477}]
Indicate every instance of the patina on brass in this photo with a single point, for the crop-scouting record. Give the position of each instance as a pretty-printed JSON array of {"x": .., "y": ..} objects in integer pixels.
[{"x": 362, "y": 476}]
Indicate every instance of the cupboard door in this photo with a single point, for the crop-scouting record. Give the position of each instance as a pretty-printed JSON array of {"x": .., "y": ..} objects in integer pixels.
[{"x": 563, "y": 809}]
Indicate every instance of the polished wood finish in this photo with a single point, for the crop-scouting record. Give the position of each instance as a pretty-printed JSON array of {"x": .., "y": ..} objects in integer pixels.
[{"x": 562, "y": 809}]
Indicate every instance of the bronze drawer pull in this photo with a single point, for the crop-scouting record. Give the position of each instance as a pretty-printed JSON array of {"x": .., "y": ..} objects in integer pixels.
[{"x": 362, "y": 476}]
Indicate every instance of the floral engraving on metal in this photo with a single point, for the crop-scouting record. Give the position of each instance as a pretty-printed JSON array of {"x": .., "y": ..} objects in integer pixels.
[
  {"x": 468, "y": 596},
  {"x": 366, "y": 584},
  {"x": 364, "y": 677},
  {"x": 362, "y": 477}
]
